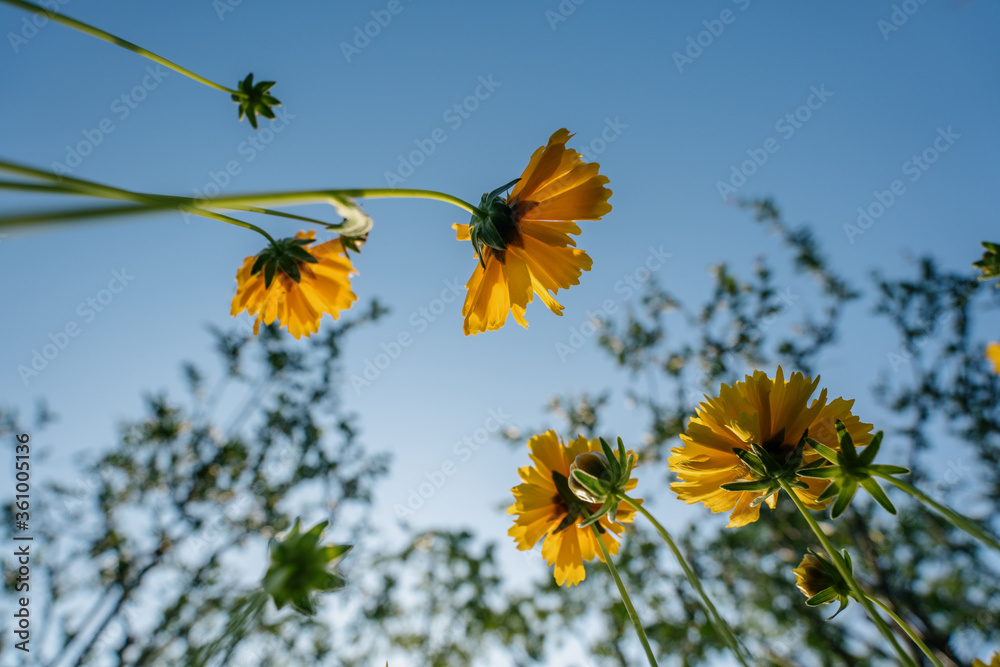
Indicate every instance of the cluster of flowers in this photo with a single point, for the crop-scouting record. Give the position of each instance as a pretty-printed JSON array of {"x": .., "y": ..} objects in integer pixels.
[{"x": 524, "y": 245}]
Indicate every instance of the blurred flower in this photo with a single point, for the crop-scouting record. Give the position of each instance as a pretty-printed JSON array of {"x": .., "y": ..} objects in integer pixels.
[
  {"x": 524, "y": 241},
  {"x": 989, "y": 265},
  {"x": 301, "y": 567},
  {"x": 295, "y": 283},
  {"x": 771, "y": 414},
  {"x": 545, "y": 508},
  {"x": 993, "y": 356},
  {"x": 994, "y": 661},
  {"x": 820, "y": 582}
]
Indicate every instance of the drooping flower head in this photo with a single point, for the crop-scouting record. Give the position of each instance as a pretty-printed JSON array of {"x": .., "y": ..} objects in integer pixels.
[
  {"x": 546, "y": 509},
  {"x": 295, "y": 281},
  {"x": 524, "y": 242},
  {"x": 772, "y": 414},
  {"x": 821, "y": 583}
]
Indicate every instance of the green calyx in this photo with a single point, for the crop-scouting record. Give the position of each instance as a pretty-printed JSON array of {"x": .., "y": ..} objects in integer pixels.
[
  {"x": 493, "y": 224},
  {"x": 576, "y": 509},
  {"x": 819, "y": 579},
  {"x": 254, "y": 99},
  {"x": 283, "y": 255},
  {"x": 990, "y": 263},
  {"x": 601, "y": 477},
  {"x": 768, "y": 467},
  {"x": 301, "y": 568},
  {"x": 847, "y": 469}
]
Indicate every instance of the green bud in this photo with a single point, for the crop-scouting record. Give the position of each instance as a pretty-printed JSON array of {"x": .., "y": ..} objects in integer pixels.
[
  {"x": 590, "y": 477},
  {"x": 301, "y": 568}
]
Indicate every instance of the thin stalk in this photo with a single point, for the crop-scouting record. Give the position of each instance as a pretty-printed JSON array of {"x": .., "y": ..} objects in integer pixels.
[
  {"x": 717, "y": 620},
  {"x": 908, "y": 630},
  {"x": 956, "y": 519},
  {"x": 636, "y": 623},
  {"x": 117, "y": 41},
  {"x": 855, "y": 587}
]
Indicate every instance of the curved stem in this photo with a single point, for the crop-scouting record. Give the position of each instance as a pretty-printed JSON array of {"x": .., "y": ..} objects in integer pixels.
[
  {"x": 908, "y": 630},
  {"x": 319, "y": 196},
  {"x": 118, "y": 41},
  {"x": 954, "y": 517},
  {"x": 720, "y": 623},
  {"x": 636, "y": 623},
  {"x": 855, "y": 587}
]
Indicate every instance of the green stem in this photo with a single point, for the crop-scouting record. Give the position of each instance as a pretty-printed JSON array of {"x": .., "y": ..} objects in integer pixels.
[
  {"x": 636, "y": 623},
  {"x": 908, "y": 630},
  {"x": 956, "y": 519},
  {"x": 716, "y": 619},
  {"x": 118, "y": 41},
  {"x": 845, "y": 573},
  {"x": 319, "y": 196}
]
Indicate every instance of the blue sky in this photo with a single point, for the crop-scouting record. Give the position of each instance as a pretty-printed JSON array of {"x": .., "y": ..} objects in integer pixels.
[{"x": 831, "y": 102}]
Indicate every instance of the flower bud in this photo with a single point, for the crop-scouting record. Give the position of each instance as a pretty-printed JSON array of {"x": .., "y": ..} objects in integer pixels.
[{"x": 590, "y": 477}]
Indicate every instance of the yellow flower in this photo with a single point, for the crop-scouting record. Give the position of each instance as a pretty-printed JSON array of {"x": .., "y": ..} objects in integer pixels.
[
  {"x": 773, "y": 414},
  {"x": 993, "y": 355},
  {"x": 322, "y": 286},
  {"x": 532, "y": 250},
  {"x": 994, "y": 661},
  {"x": 547, "y": 509}
]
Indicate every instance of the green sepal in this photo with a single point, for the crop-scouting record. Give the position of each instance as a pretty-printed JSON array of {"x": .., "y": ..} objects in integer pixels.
[
  {"x": 825, "y": 596},
  {"x": 887, "y": 469},
  {"x": 751, "y": 460},
  {"x": 825, "y": 472},
  {"x": 591, "y": 483},
  {"x": 871, "y": 485},
  {"x": 269, "y": 270},
  {"x": 296, "y": 251},
  {"x": 827, "y": 453},
  {"x": 848, "y": 488},
  {"x": 758, "y": 485},
  {"x": 616, "y": 467},
  {"x": 846, "y": 443},
  {"x": 829, "y": 492},
  {"x": 871, "y": 449}
]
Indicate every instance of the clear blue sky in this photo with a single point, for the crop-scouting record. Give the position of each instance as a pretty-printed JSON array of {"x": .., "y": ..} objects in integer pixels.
[{"x": 678, "y": 125}]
